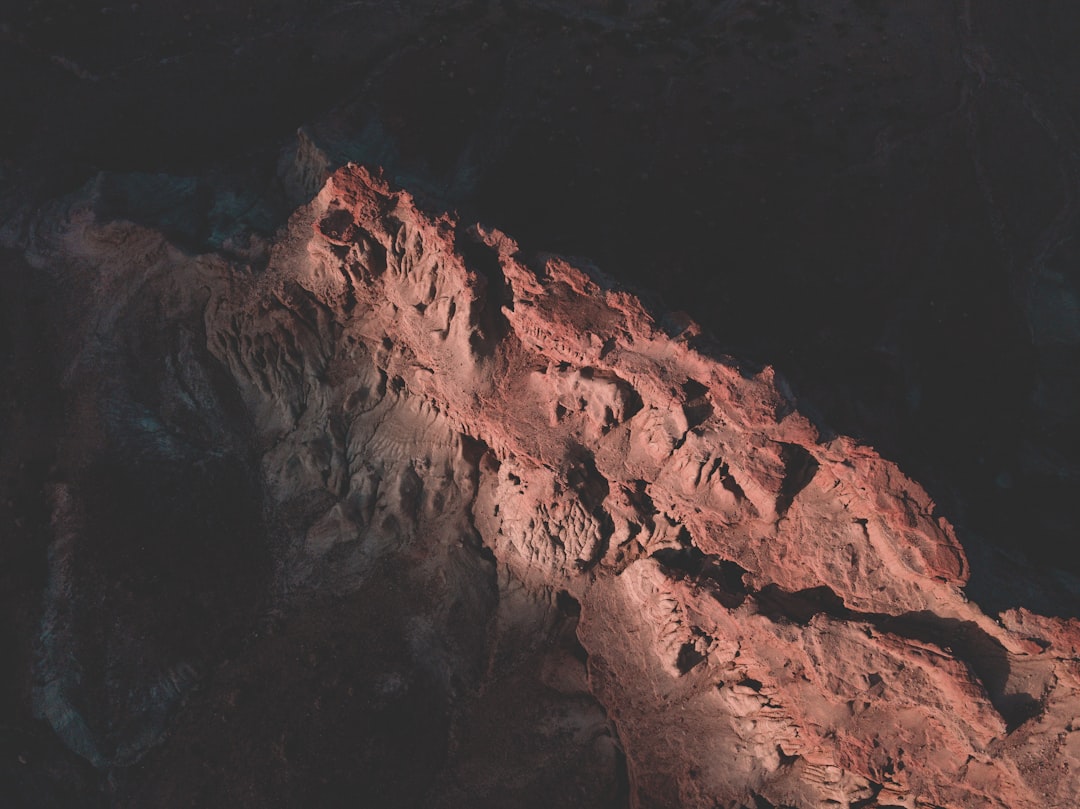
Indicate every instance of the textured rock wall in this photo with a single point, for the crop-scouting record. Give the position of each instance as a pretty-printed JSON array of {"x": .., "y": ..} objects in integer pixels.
[{"x": 577, "y": 558}]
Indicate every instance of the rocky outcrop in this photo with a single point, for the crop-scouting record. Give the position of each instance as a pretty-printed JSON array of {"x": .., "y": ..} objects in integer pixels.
[{"x": 537, "y": 500}]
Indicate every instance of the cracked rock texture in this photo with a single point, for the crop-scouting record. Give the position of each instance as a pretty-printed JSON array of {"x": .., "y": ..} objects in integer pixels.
[
  {"x": 371, "y": 507},
  {"x": 426, "y": 519},
  {"x": 877, "y": 199}
]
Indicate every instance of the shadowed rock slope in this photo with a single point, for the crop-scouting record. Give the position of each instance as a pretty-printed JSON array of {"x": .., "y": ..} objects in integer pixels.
[{"x": 404, "y": 516}]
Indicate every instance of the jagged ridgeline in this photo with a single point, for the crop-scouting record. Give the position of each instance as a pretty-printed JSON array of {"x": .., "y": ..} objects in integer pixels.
[{"x": 470, "y": 526}]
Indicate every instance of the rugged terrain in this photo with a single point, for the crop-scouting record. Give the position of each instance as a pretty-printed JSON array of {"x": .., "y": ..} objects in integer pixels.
[
  {"x": 318, "y": 490},
  {"x": 582, "y": 559},
  {"x": 880, "y": 202}
]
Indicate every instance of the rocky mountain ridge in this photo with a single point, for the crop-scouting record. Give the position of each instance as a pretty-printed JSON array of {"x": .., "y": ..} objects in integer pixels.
[{"x": 529, "y": 500}]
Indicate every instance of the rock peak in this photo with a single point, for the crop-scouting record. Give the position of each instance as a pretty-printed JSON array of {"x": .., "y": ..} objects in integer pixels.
[{"x": 542, "y": 486}]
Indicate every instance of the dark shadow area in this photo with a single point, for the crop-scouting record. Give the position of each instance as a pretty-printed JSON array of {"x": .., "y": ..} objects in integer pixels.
[
  {"x": 800, "y": 468},
  {"x": 723, "y": 578},
  {"x": 482, "y": 260},
  {"x": 334, "y": 696},
  {"x": 1005, "y": 578},
  {"x": 36, "y": 770},
  {"x": 984, "y": 656},
  {"x": 761, "y": 802},
  {"x": 871, "y": 801},
  {"x": 621, "y": 798},
  {"x": 799, "y": 607},
  {"x": 697, "y": 407},
  {"x": 592, "y": 488},
  {"x": 688, "y": 657}
]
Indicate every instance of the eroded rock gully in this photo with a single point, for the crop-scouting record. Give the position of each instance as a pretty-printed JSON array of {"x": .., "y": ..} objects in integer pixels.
[{"x": 451, "y": 525}]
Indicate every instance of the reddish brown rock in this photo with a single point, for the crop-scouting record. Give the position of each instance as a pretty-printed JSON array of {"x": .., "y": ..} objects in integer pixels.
[{"x": 770, "y": 617}]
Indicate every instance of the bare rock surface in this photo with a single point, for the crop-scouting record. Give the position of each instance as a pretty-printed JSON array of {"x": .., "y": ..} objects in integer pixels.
[
  {"x": 536, "y": 542},
  {"x": 878, "y": 200}
]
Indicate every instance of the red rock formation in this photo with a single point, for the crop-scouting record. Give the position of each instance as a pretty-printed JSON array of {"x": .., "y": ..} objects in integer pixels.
[
  {"x": 771, "y": 617},
  {"x": 850, "y": 668}
]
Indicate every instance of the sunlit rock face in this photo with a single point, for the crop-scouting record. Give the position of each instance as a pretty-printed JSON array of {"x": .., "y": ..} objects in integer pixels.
[{"x": 406, "y": 515}]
